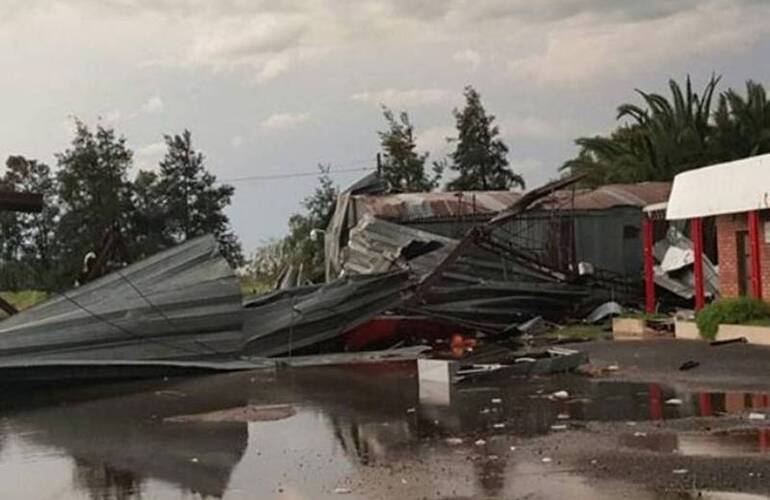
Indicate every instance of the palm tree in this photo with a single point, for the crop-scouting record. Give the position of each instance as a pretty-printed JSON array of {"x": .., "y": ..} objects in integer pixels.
[
  {"x": 660, "y": 139},
  {"x": 742, "y": 126}
]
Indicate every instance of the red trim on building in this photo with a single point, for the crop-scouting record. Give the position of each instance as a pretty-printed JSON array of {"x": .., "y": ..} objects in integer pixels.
[
  {"x": 696, "y": 229},
  {"x": 649, "y": 265}
]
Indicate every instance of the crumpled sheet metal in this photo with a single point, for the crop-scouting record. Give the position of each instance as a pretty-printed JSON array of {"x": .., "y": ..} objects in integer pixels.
[
  {"x": 183, "y": 303},
  {"x": 377, "y": 246},
  {"x": 287, "y": 321},
  {"x": 674, "y": 273}
]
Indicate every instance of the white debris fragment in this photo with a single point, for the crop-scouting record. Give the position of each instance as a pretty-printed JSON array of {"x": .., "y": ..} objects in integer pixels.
[
  {"x": 480, "y": 442},
  {"x": 613, "y": 368},
  {"x": 499, "y": 425},
  {"x": 493, "y": 457},
  {"x": 410, "y": 410},
  {"x": 512, "y": 448},
  {"x": 679, "y": 471},
  {"x": 560, "y": 394},
  {"x": 558, "y": 427},
  {"x": 562, "y": 416},
  {"x": 496, "y": 401},
  {"x": 403, "y": 481},
  {"x": 674, "y": 402},
  {"x": 454, "y": 441},
  {"x": 640, "y": 434},
  {"x": 546, "y": 460},
  {"x": 342, "y": 491},
  {"x": 757, "y": 416},
  {"x": 194, "y": 460}
]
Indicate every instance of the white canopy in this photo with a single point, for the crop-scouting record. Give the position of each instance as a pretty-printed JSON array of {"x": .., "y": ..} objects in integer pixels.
[{"x": 726, "y": 188}]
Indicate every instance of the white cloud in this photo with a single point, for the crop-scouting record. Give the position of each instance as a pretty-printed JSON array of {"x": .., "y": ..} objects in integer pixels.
[
  {"x": 284, "y": 121},
  {"x": 469, "y": 57},
  {"x": 153, "y": 105},
  {"x": 533, "y": 127},
  {"x": 434, "y": 140},
  {"x": 404, "y": 98},
  {"x": 588, "y": 49},
  {"x": 236, "y": 141}
]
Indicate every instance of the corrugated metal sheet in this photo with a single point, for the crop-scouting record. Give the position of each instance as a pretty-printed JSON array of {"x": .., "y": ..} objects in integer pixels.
[
  {"x": 183, "y": 303},
  {"x": 410, "y": 207},
  {"x": 287, "y": 321}
]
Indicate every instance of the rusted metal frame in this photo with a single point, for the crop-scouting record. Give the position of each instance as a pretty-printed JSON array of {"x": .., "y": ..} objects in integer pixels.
[
  {"x": 517, "y": 255},
  {"x": 520, "y": 206}
]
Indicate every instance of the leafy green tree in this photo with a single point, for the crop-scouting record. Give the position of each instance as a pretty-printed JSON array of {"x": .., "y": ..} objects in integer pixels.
[
  {"x": 149, "y": 232},
  {"x": 402, "y": 166},
  {"x": 28, "y": 244},
  {"x": 94, "y": 193},
  {"x": 192, "y": 200},
  {"x": 301, "y": 248},
  {"x": 480, "y": 157}
]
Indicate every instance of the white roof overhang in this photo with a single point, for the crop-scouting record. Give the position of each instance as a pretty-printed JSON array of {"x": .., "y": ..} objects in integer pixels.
[{"x": 725, "y": 188}]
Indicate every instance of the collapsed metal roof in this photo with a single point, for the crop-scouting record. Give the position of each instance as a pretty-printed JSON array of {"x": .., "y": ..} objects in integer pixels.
[
  {"x": 407, "y": 207},
  {"x": 183, "y": 303}
]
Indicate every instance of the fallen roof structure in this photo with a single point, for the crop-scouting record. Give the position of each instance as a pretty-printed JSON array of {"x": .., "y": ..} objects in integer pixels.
[
  {"x": 181, "y": 304},
  {"x": 287, "y": 321}
]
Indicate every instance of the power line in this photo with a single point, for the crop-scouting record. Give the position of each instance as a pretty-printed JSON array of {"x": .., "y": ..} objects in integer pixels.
[{"x": 294, "y": 175}]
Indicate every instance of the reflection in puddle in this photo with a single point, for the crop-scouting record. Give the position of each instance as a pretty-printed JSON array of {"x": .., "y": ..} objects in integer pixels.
[
  {"x": 718, "y": 444},
  {"x": 337, "y": 428}
]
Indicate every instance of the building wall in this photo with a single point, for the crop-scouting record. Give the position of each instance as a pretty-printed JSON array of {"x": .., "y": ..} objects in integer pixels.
[{"x": 728, "y": 227}]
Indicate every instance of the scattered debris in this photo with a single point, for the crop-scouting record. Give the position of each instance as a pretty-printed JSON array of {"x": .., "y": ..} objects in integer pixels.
[
  {"x": 689, "y": 365},
  {"x": 342, "y": 491},
  {"x": 453, "y": 441},
  {"x": 679, "y": 471},
  {"x": 558, "y": 427},
  {"x": 480, "y": 442},
  {"x": 757, "y": 416},
  {"x": 560, "y": 395},
  {"x": 738, "y": 340},
  {"x": 674, "y": 402},
  {"x": 546, "y": 460},
  {"x": 604, "y": 311}
]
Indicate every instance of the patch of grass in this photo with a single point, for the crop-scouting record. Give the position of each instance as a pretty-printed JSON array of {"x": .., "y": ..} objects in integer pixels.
[
  {"x": 580, "y": 331},
  {"x": 737, "y": 311},
  {"x": 252, "y": 286},
  {"x": 24, "y": 299}
]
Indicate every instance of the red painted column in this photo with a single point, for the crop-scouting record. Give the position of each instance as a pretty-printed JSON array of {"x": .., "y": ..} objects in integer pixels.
[
  {"x": 756, "y": 255},
  {"x": 696, "y": 229},
  {"x": 649, "y": 265}
]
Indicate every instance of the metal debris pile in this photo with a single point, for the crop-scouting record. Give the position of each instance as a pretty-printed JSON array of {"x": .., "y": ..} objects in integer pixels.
[{"x": 392, "y": 291}]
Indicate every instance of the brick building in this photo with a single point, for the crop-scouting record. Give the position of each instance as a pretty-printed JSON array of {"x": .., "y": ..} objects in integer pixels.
[{"x": 737, "y": 195}]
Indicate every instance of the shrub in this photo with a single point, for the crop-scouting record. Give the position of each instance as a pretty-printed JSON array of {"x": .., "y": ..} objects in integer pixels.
[{"x": 735, "y": 311}]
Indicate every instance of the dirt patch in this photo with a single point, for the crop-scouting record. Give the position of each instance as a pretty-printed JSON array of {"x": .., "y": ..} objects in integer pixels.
[{"x": 250, "y": 413}]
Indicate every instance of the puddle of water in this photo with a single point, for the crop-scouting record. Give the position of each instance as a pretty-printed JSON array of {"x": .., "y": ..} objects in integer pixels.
[
  {"x": 721, "y": 444},
  {"x": 366, "y": 430}
]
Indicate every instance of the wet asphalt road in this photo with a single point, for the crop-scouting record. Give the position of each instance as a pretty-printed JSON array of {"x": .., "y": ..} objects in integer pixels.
[{"x": 645, "y": 431}]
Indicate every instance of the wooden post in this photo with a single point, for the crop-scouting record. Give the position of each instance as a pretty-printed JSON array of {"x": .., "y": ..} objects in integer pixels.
[
  {"x": 696, "y": 228},
  {"x": 756, "y": 254},
  {"x": 649, "y": 265}
]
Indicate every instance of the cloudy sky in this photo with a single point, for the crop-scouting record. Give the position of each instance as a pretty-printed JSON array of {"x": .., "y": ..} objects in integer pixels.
[{"x": 277, "y": 86}]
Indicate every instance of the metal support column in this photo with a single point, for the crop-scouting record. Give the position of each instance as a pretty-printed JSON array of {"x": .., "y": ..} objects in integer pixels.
[{"x": 696, "y": 229}]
